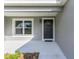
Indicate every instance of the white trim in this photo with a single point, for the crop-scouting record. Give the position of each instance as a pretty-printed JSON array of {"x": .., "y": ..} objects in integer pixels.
[
  {"x": 34, "y": 9},
  {"x": 16, "y": 36},
  {"x": 53, "y": 28},
  {"x": 23, "y": 27},
  {"x": 34, "y": 14},
  {"x": 41, "y": 1},
  {"x": 21, "y": 19}
]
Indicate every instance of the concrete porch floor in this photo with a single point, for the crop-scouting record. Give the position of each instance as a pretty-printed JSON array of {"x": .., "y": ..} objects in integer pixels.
[{"x": 47, "y": 50}]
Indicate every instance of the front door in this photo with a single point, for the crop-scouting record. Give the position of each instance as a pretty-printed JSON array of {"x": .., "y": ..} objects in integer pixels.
[{"x": 47, "y": 29}]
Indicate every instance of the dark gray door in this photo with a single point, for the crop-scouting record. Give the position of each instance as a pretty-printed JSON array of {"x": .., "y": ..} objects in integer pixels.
[{"x": 48, "y": 29}]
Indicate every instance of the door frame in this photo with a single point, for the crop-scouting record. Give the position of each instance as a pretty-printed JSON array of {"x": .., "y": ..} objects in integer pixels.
[{"x": 53, "y": 28}]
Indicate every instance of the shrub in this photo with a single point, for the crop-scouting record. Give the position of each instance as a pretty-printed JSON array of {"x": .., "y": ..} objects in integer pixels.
[{"x": 12, "y": 56}]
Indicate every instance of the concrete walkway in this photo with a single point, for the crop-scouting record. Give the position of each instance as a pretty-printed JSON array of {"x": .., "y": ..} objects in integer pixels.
[{"x": 47, "y": 50}]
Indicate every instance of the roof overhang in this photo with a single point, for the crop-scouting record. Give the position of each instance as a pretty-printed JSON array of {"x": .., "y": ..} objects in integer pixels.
[
  {"x": 33, "y": 8},
  {"x": 31, "y": 11},
  {"x": 35, "y": 3},
  {"x": 27, "y": 14}
]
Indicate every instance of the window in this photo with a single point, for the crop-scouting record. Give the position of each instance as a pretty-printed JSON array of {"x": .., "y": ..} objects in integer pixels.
[{"x": 23, "y": 26}]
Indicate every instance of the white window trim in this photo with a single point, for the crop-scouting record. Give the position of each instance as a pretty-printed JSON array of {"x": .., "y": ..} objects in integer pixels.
[
  {"x": 22, "y": 19},
  {"x": 43, "y": 28}
]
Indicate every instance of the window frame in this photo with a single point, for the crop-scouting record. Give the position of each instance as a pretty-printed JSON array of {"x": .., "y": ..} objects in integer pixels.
[{"x": 21, "y": 19}]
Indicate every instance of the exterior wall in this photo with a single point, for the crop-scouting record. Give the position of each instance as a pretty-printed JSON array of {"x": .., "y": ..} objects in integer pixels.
[
  {"x": 11, "y": 43},
  {"x": 8, "y": 26},
  {"x": 65, "y": 30},
  {"x": 37, "y": 27}
]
